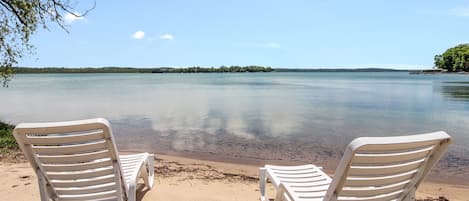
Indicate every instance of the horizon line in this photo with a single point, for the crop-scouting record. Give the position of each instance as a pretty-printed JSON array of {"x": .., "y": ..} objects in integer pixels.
[{"x": 390, "y": 66}]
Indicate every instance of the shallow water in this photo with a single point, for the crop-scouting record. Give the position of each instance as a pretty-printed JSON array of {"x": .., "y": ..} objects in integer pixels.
[{"x": 248, "y": 115}]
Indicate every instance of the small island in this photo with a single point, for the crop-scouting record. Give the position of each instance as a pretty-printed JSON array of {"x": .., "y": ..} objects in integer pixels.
[{"x": 455, "y": 59}]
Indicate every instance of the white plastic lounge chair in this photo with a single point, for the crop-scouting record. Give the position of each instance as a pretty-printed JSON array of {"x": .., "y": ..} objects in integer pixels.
[
  {"x": 372, "y": 169},
  {"x": 78, "y": 160}
]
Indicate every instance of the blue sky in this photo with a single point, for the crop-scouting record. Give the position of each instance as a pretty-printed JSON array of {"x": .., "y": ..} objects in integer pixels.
[{"x": 362, "y": 33}]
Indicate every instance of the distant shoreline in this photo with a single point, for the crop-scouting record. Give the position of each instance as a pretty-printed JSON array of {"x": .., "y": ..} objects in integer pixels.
[
  {"x": 222, "y": 69},
  {"x": 436, "y": 71}
]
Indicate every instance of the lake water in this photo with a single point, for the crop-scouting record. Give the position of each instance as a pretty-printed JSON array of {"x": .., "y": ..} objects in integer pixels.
[{"x": 292, "y": 117}]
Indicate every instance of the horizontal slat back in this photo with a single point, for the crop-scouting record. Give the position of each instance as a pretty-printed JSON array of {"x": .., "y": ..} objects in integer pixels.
[
  {"x": 399, "y": 146},
  {"x": 310, "y": 195},
  {"x": 108, "y": 195},
  {"x": 64, "y": 139},
  {"x": 77, "y": 166},
  {"x": 70, "y": 149},
  {"x": 385, "y": 168},
  {"x": 80, "y": 175},
  {"x": 84, "y": 182},
  {"x": 376, "y": 159},
  {"x": 383, "y": 197},
  {"x": 75, "y": 157},
  {"x": 364, "y": 170},
  {"x": 365, "y": 192},
  {"x": 373, "y": 182},
  {"x": 87, "y": 190},
  {"x": 375, "y": 172}
]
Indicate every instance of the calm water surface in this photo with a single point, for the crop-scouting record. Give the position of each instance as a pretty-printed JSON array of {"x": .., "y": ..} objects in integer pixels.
[{"x": 248, "y": 115}]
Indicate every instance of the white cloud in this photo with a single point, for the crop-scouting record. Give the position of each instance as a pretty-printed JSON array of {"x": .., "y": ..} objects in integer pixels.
[
  {"x": 462, "y": 12},
  {"x": 70, "y": 18},
  {"x": 167, "y": 37},
  {"x": 271, "y": 45},
  {"x": 138, "y": 35}
]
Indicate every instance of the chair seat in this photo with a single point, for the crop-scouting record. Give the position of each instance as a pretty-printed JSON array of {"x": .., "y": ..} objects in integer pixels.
[{"x": 304, "y": 182}]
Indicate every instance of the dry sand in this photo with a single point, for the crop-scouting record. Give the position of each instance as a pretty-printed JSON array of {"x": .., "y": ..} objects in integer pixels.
[{"x": 178, "y": 178}]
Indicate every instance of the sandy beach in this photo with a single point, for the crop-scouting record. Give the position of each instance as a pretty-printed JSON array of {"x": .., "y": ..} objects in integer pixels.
[{"x": 180, "y": 178}]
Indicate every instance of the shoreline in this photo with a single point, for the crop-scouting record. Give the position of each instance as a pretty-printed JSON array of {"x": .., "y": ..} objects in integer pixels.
[
  {"x": 250, "y": 169},
  {"x": 451, "y": 169},
  {"x": 199, "y": 179}
]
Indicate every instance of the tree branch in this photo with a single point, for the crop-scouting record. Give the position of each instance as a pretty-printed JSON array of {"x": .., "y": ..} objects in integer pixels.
[
  {"x": 66, "y": 9},
  {"x": 11, "y": 8}
]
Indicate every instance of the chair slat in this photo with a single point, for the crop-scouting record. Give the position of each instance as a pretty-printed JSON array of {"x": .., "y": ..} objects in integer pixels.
[
  {"x": 397, "y": 146},
  {"x": 378, "y": 181},
  {"x": 93, "y": 196},
  {"x": 77, "y": 166},
  {"x": 308, "y": 175},
  {"x": 384, "y": 169},
  {"x": 294, "y": 172},
  {"x": 308, "y": 195},
  {"x": 301, "y": 180},
  {"x": 70, "y": 149},
  {"x": 77, "y": 158},
  {"x": 111, "y": 198},
  {"x": 384, "y": 197},
  {"x": 390, "y": 158},
  {"x": 291, "y": 168},
  {"x": 84, "y": 182},
  {"x": 64, "y": 139},
  {"x": 305, "y": 189},
  {"x": 86, "y": 190},
  {"x": 373, "y": 191},
  {"x": 80, "y": 175},
  {"x": 65, "y": 126},
  {"x": 319, "y": 183}
]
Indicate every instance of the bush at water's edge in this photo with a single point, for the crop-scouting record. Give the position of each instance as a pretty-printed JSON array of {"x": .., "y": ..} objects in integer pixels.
[{"x": 7, "y": 141}]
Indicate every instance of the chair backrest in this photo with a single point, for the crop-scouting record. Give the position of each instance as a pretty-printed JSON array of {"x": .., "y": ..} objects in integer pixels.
[
  {"x": 386, "y": 168},
  {"x": 76, "y": 160}
]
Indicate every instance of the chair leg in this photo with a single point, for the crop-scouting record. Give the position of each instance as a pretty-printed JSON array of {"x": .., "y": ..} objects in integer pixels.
[
  {"x": 42, "y": 187},
  {"x": 262, "y": 182},
  {"x": 283, "y": 194},
  {"x": 132, "y": 194},
  {"x": 280, "y": 193},
  {"x": 410, "y": 195},
  {"x": 149, "y": 171}
]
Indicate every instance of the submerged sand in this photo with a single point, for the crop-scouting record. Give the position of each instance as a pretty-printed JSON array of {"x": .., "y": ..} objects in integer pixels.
[{"x": 179, "y": 178}]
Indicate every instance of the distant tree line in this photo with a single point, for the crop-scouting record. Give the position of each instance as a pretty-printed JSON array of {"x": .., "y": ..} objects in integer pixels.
[
  {"x": 455, "y": 59},
  {"x": 221, "y": 69},
  {"x": 337, "y": 70}
]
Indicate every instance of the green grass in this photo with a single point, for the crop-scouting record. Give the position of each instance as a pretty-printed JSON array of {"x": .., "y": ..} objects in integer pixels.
[{"x": 7, "y": 141}]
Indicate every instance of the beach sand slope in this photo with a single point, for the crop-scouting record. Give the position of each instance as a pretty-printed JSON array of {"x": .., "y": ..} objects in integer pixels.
[{"x": 178, "y": 178}]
